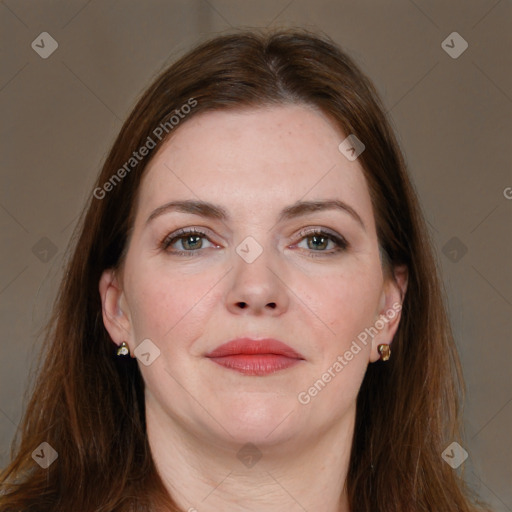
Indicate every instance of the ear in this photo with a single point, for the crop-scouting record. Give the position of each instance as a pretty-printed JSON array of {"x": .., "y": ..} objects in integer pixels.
[
  {"x": 390, "y": 307},
  {"x": 116, "y": 314}
]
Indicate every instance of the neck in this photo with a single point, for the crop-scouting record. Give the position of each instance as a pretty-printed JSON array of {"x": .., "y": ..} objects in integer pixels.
[{"x": 210, "y": 474}]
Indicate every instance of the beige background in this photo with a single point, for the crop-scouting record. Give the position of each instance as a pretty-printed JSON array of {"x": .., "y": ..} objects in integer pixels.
[{"x": 452, "y": 116}]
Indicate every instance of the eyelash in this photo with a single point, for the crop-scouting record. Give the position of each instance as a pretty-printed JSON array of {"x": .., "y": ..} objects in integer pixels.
[{"x": 340, "y": 242}]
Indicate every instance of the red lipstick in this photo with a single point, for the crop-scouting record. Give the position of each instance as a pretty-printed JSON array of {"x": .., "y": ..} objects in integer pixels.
[{"x": 255, "y": 357}]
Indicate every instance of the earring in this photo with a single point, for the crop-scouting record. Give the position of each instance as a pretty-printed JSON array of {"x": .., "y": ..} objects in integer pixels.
[
  {"x": 384, "y": 351},
  {"x": 123, "y": 349}
]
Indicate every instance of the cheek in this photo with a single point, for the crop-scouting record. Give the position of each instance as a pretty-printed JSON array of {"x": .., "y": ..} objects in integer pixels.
[
  {"x": 345, "y": 301},
  {"x": 164, "y": 304}
]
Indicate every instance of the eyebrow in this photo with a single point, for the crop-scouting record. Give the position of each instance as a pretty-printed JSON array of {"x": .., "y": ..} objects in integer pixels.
[{"x": 212, "y": 211}]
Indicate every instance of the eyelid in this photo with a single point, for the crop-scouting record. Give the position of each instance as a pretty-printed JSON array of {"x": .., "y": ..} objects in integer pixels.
[
  {"x": 183, "y": 232},
  {"x": 311, "y": 230},
  {"x": 200, "y": 230}
]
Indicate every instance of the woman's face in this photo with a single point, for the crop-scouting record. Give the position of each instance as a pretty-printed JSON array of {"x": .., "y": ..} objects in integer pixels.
[{"x": 257, "y": 273}]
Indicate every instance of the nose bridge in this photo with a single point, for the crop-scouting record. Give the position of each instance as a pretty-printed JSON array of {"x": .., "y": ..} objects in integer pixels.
[{"x": 255, "y": 282}]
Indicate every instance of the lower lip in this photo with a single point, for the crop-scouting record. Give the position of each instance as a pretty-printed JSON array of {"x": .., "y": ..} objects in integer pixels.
[{"x": 258, "y": 364}]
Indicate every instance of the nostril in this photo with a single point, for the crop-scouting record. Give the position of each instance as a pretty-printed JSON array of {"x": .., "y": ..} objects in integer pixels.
[{"x": 243, "y": 305}]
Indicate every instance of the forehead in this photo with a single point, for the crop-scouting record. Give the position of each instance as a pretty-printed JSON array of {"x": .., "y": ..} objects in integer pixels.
[{"x": 260, "y": 158}]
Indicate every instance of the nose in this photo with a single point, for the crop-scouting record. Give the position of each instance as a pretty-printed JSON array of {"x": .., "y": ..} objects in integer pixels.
[{"x": 258, "y": 287}]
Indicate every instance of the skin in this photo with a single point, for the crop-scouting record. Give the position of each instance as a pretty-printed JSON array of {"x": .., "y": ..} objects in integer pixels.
[{"x": 253, "y": 163}]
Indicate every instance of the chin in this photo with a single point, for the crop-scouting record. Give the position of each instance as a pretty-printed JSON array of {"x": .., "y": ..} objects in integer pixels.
[{"x": 261, "y": 421}]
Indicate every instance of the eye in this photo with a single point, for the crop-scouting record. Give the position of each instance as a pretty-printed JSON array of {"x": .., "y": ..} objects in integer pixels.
[
  {"x": 191, "y": 240},
  {"x": 320, "y": 241}
]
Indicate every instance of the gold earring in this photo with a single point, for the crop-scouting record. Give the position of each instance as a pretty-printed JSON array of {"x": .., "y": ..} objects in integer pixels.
[
  {"x": 384, "y": 351},
  {"x": 123, "y": 349}
]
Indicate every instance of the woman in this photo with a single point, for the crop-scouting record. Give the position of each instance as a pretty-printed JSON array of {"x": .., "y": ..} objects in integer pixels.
[{"x": 251, "y": 318}]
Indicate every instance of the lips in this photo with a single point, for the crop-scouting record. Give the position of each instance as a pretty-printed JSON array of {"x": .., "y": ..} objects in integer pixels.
[{"x": 255, "y": 357}]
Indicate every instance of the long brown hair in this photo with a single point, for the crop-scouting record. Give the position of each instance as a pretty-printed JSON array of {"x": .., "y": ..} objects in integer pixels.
[{"x": 89, "y": 406}]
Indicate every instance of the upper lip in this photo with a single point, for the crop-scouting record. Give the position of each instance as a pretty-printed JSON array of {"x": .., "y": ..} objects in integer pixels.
[{"x": 250, "y": 346}]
